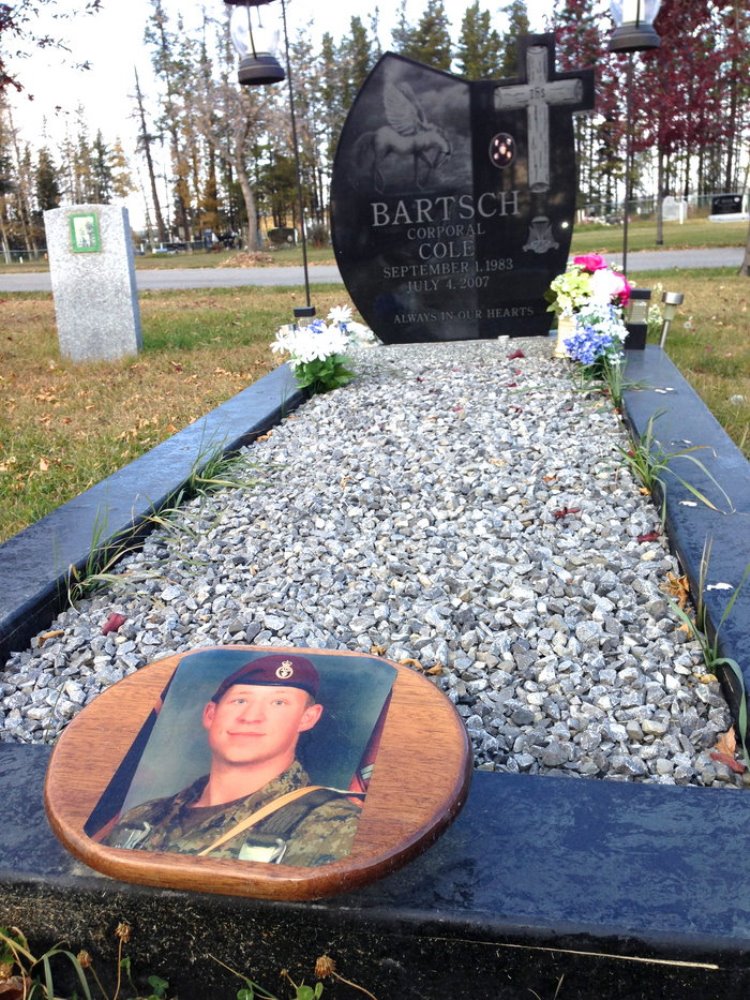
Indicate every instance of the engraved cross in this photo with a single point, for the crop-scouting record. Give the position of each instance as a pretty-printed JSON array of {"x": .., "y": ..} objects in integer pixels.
[{"x": 538, "y": 95}]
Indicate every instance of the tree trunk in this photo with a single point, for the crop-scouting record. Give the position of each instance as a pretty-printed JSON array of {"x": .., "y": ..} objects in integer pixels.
[
  {"x": 745, "y": 265},
  {"x": 145, "y": 141},
  {"x": 659, "y": 199},
  {"x": 251, "y": 241}
]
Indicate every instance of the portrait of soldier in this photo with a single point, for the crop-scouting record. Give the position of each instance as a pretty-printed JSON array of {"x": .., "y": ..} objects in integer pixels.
[{"x": 256, "y": 803}]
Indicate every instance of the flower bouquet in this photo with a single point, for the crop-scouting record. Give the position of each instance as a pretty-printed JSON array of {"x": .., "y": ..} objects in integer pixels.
[
  {"x": 317, "y": 353},
  {"x": 589, "y": 298}
]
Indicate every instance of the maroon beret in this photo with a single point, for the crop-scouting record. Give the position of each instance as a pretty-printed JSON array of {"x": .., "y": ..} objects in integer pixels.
[{"x": 274, "y": 670}]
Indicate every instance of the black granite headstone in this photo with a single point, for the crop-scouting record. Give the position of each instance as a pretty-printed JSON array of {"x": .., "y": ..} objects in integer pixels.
[
  {"x": 726, "y": 204},
  {"x": 452, "y": 203}
]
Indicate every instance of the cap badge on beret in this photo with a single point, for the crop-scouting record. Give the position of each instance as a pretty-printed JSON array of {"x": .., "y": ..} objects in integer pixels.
[{"x": 285, "y": 671}]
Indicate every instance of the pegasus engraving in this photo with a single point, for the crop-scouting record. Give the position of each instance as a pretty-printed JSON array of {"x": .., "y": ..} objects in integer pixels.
[{"x": 407, "y": 134}]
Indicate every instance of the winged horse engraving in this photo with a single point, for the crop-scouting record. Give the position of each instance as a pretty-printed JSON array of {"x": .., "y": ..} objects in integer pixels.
[{"x": 407, "y": 134}]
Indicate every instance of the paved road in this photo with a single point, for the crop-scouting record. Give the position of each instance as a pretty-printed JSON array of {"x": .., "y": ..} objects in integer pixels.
[{"x": 231, "y": 277}]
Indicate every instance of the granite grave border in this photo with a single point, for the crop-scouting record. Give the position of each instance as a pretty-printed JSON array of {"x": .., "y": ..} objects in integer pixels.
[{"x": 622, "y": 888}]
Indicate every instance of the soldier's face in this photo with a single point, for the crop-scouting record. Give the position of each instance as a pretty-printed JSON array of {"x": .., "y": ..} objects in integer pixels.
[{"x": 256, "y": 724}]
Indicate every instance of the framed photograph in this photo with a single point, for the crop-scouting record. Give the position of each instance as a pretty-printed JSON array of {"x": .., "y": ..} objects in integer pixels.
[
  {"x": 85, "y": 236},
  {"x": 272, "y": 772},
  {"x": 251, "y": 756}
]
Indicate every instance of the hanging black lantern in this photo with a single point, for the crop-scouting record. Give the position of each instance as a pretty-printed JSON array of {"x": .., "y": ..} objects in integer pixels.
[
  {"x": 634, "y": 25},
  {"x": 256, "y": 44}
]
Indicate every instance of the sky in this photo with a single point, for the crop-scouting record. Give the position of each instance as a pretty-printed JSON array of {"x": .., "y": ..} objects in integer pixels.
[{"x": 112, "y": 41}]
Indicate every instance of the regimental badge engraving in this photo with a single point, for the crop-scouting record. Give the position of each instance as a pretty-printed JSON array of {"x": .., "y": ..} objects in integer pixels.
[{"x": 285, "y": 671}]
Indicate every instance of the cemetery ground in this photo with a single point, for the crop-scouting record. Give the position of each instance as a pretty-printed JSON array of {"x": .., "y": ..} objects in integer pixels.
[
  {"x": 221, "y": 338},
  {"x": 65, "y": 426}
]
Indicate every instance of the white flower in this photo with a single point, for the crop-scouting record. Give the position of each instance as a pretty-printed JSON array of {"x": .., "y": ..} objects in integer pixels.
[
  {"x": 605, "y": 285},
  {"x": 360, "y": 335},
  {"x": 319, "y": 340},
  {"x": 340, "y": 314}
]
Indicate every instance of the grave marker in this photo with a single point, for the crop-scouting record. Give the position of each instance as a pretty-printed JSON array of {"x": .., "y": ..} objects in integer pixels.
[
  {"x": 452, "y": 202},
  {"x": 674, "y": 209},
  {"x": 92, "y": 270},
  {"x": 726, "y": 208}
]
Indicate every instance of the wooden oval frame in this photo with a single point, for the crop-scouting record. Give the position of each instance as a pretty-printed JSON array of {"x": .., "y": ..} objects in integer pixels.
[{"x": 419, "y": 785}]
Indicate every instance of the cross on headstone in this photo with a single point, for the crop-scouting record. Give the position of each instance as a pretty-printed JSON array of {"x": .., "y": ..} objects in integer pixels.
[{"x": 538, "y": 95}]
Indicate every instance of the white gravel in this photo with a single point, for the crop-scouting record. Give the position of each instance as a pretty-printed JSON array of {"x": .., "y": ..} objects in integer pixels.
[{"x": 453, "y": 507}]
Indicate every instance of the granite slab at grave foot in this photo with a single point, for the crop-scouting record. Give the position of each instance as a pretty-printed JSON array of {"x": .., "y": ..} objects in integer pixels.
[{"x": 459, "y": 507}]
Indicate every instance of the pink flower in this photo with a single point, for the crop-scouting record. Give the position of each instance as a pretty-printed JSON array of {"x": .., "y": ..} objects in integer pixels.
[
  {"x": 623, "y": 292},
  {"x": 590, "y": 262}
]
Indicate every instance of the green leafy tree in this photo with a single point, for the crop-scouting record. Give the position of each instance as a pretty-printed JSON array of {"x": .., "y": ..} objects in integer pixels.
[
  {"x": 518, "y": 24},
  {"x": 430, "y": 41},
  {"x": 47, "y": 192},
  {"x": 357, "y": 54},
  {"x": 479, "y": 46},
  {"x": 101, "y": 171}
]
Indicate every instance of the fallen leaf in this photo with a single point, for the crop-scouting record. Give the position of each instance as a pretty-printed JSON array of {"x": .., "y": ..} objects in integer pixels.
[
  {"x": 650, "y": 536},
  {"x": 644, "y": 491},
  {"x": 43, "y": 465},
  {"x": 409, "y": 662},
  {"x": 113, "y": 623},
  {"x": 708, "y": 678},
  {"x": 434, "y": 671},
  {"x": 263, "y": 437},
  {"x": 45, "y": 636},
  {"x": 677, "y": 587},
  {"x": 378, "y": 650},
  {"x": 549, "y": 479},
  {"x": 15, "y": 988},
  {"x": 565, "y": 511},
  {"x": 727, "y": 742},
  {"x": 732, "y": 764},
  {"x": 514, "y": 355}
]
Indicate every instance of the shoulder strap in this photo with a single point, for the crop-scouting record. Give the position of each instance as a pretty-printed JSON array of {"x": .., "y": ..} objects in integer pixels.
[{"x": 268, "y": 810}]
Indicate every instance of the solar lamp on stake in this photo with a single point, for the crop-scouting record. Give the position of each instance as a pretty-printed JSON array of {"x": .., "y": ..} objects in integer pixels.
[
  {"x": 256, "y": 40},
  {"x": 670, "y": 301},
  {"x": 634, "y": 32}
]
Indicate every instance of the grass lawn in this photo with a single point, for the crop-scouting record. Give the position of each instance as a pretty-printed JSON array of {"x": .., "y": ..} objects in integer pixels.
[{"x": 64, "y": 427}]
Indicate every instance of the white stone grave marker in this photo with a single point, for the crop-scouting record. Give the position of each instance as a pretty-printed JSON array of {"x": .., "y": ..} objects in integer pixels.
[{"x": 93, "y": 282}]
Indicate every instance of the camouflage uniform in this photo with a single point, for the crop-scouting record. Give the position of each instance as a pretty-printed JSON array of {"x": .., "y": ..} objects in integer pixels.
[{"x": 315, "y": 830}]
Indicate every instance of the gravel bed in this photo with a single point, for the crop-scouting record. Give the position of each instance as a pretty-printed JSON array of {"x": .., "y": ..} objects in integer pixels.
[{"x": 454, "y": 507}]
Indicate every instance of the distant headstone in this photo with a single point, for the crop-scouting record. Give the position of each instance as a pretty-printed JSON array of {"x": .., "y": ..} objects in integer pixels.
[
  {"x": 93, "y": 282},
  {"x": 674, "y": 209},
  {"x": 727, "y": 208},
  {"x": 282, "y": 236},
  {"x": 726, "y": 204},
  {"x": 452, "y": 202}
]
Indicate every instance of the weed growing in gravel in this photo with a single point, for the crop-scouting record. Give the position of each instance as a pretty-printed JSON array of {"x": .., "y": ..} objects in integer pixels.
[
  {"x": 698, "y": 628},
  {"x": 210, "y": 473},
  {"x": 650, "y": 464}
]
